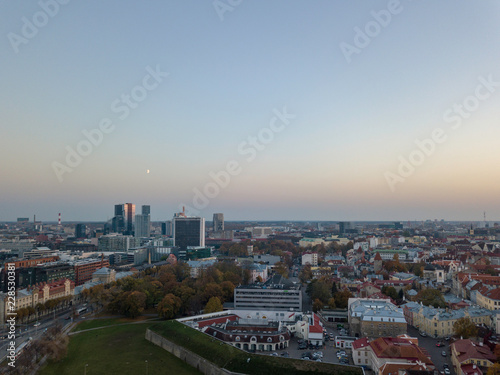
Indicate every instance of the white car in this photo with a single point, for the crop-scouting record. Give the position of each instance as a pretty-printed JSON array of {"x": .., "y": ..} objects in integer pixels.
[{"x": 36, "y": 324}]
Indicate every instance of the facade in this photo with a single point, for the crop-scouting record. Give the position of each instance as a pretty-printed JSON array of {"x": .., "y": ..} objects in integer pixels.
[
  {"x": 401, "y": 352},
  {"x": 489, "y": 298},
  {"x": 310, "y": 258},
  {"x": 467, "y": 352},
  {"x": 188, "y": 231},
  {"x": 218, "y": 222},
  {"x": 45, "y": 273},
  {"x": 80, "y": 231},
  {"x": 166, "y": 228},
  {"x": 276, "y": 294},
  {"x": 375, "y": 318},
  {"x": 388, "y": 254},
  {"x": 117, "y": 242},
  {"x": 39, "y": 293},
  {"x": 85, "y": 268},
  {"x": 142, "y": 226},
  {"x": 104, "y": 275},
  {"x": 438, "y": 322},
  {"x": 263, "y": 337},
  {"x": 33, "y": 262}
]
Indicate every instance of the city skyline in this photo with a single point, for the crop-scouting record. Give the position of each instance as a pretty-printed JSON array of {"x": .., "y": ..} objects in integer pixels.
[{"x": 386, "y": 110}]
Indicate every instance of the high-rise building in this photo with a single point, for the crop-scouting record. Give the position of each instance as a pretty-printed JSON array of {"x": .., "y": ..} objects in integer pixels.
[
  {"x": 166, "y": 228},
  {"x": 129, "y": 218},
  {"x": 142, "y": 226},
  {"x": 344, "y": 226},
  {"x": 218, "y": 222},
  {"x": 80, "y": 231},
  {"x": 118, "y": 222},
  {"x": 188, "y": 231},
  {"x": 146, "y": 210}
]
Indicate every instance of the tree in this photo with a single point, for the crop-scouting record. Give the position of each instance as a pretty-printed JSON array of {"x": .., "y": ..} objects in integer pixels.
[
  {"x": 281, "y": 269},
  {"x": 390, "y": 291},
  {"x": 306, "y": 273},
  {"x": 342, "y": 298},
  {"x": 465, "y": 327},
  {"x": 213, "y": 305},
  {"x": 431, "y": 297},
  {"x": 331, "y": 303},
  {"x": 494, "y": 370},
  {"x": 317, "y": 305},
  {"x": 169, "y": 306},
  {"x": 134, "y": 304}
]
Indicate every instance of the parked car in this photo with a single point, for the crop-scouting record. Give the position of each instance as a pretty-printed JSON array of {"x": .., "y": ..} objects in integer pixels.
[
  {"x": 422, "y": 333},
  {"x": 447, "y": 338},
  {"x": 445, "y": 365},
  {"x": 439, "y": 344},
  {"x": 443, "y": 353},
  {"x": 285, "y": 354},
  {"x": 36, "y": 324},
  {"x": 447, "y": 371}
]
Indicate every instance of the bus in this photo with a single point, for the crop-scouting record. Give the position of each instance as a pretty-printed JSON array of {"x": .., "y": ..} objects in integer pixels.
[{"x": 81, "y": 311}]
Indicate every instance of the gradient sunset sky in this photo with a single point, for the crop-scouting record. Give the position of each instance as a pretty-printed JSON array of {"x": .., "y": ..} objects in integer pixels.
[{"x": 228, "y": 75}]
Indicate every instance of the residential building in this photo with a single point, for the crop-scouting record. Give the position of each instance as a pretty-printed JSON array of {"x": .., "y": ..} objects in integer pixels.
[
  {"x": 467, "y": 352},
  {"x": 401, "y": 352},
  {"x": 310, "y": 258}
]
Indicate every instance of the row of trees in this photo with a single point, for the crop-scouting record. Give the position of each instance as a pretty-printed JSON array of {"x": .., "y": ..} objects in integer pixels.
[
  {"x": 25, "y": 314},
  {"x": 169, "y": 290},
  {"x": 53, "y": 345}
]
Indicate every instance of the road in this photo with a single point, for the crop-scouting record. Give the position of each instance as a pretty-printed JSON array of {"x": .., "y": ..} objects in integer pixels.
[
  {"x": 25, "y": 331},
  {"x": 429, "y": 344}
]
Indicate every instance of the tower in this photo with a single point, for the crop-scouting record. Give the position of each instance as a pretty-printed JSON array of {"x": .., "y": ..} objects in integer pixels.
[
  {"x": 218, "y": 222},
  {"x": 59, "y": 220}
]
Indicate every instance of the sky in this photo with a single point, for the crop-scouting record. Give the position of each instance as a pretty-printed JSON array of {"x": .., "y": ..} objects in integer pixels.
[{"x": 282, "y": 110}]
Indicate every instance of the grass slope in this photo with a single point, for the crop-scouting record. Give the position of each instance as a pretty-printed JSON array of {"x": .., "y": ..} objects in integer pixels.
[
  {"x": 232, "y": 359},
  {"x": 119, "y": 350}
]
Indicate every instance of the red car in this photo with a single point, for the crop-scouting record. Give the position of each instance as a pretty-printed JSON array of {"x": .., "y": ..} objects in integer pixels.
[{"x": 439, "y": 344}]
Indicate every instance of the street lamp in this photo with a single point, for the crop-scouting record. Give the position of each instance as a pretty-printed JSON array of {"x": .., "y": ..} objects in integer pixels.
[
  {"x": 85, "y": 369},
  {"x": 147, "y": 372}
]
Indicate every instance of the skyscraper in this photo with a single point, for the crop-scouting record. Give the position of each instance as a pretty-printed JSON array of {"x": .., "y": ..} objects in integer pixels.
[
  {"x": 80, "y": 231},
  {"x": 166, "y": 228},
  {"x": 129, "y": 209},
  {"x": 188, "y": 231},
  {"x": 218, "y": 222},
  {"x": 118, "y": 222},
  {"x": 142, "y": 226},
  {"x": 143, "y": 223}
]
